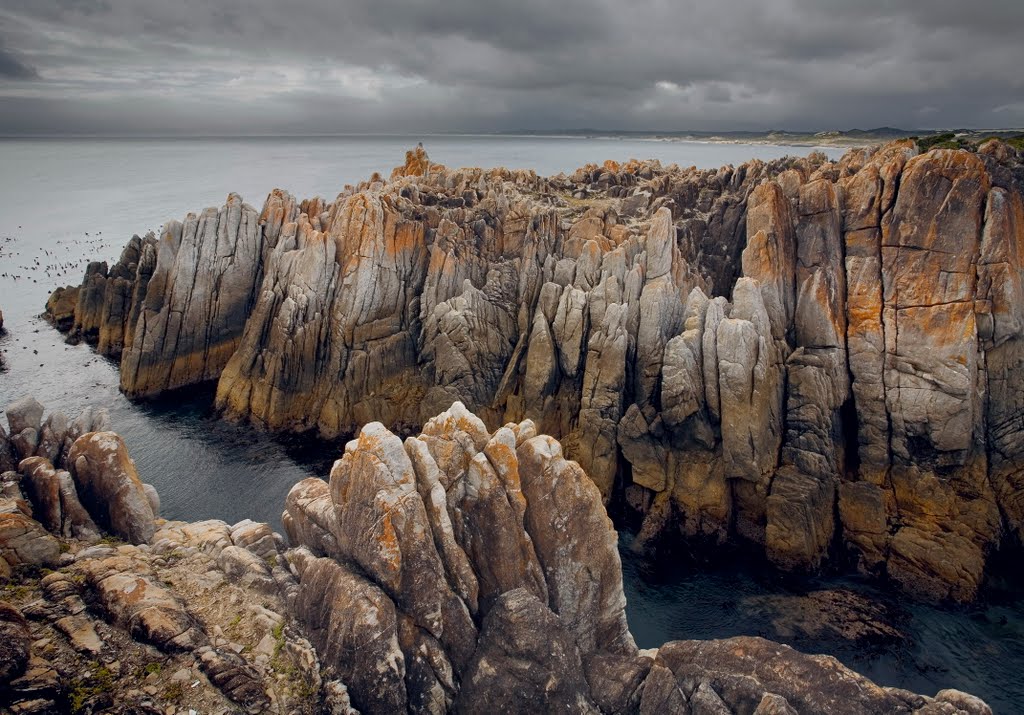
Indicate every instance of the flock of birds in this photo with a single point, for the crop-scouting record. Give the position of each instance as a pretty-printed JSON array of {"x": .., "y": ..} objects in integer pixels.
[
  {"x": 54, "y": 264},
  {"x": 60, "y": 262}
]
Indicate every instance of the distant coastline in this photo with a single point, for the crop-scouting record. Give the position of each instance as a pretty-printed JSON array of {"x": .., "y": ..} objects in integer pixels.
[{"x": 832, "y": 138}]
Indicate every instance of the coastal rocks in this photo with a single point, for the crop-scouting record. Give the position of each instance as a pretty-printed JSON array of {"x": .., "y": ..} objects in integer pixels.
[
  {"x": 417, "y": 163},
  {"x": 55, "y": 499},
  {"x": 566, "y": 533},
  {"x": 203, "y": 284},
  {"x": 117, "y": 298},
  {"x": 422, "y": 521},
  {"x": 525, "y": 662},
  {"x": 934, "y": 378},
  {"x": 415, "y": 594},
  {"x": 110, "y": 487},
  {"x": 8, "y": 459},
  {"x": 235, "y": 678},
  {"x": 139, "y": 604},
  {"x": 804, "y": 356},
  {"x": 23, "y": 541},
  {"x": 15, "y": 642},
  {"x": 316, "y": 302},
  {"x": 742, "y": 671},
  {"x": 757, "y": 675},
  {"x": 184, "y": 619},
  {"x": 61, "y": 307},
  {"x": 382, "y": 526},
  {"x": 353, "y": 625},
  {"x": 89, "y": 309},
  {"x": 24, "y": 418},
  {"x": 830, "y": 615},
  {"x": 309, "y": 517},
  {"x": 801, "y": 509}
]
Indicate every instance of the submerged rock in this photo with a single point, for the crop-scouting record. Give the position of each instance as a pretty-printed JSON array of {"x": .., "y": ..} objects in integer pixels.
[{"x": 830, "y": 615}]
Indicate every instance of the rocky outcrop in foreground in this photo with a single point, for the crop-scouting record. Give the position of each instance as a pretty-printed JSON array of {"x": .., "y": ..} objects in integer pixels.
[
  {"x": 815, "y": 358},
  {"x": 461, "y": 570}
]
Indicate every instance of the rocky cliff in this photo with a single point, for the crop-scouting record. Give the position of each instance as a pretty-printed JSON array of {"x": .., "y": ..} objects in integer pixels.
[
  {"x": 819, "y": 359},
  {"x": 461, "y": 570}
]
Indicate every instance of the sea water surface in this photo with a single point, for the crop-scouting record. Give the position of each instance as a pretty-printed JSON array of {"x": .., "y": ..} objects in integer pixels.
[{"x": 64, "y": 202}]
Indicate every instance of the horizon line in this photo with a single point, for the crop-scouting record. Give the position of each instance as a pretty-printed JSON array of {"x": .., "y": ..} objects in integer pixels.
[{"x": 547, "y": 133}]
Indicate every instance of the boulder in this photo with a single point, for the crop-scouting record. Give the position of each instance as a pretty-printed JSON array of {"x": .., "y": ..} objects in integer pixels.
[
  {"x": 136, "y": 602},
  {"x": 24, "y": 541},
  {"x": 109, "y": 486}
]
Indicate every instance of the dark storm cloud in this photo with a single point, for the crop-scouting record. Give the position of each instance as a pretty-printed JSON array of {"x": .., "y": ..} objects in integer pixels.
[
  {"x": 249, "y": 66},
  {"x": 12, "y": 68}
]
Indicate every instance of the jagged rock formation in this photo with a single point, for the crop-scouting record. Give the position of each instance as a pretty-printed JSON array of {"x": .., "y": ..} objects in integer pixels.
[
  {"x": 461, "y": 570},
  {"x": 46, "y": 466},
  {"x": 794, "y": 354}
]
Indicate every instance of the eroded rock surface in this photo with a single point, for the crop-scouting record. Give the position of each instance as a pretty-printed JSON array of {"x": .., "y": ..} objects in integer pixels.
[
  {"x": 803, "y": 355},
  {"x": 461, "y": 570},
  {"x": 387, "y": 576}
]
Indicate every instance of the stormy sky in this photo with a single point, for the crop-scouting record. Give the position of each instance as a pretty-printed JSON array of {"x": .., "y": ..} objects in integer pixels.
[{"x": 155, "y": 67}]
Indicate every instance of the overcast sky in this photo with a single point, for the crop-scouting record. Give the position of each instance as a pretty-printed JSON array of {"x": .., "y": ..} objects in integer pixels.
[{"x": 334, "y": 66}]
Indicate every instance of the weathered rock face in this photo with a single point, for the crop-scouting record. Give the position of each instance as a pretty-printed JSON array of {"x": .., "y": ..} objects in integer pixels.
[
  {"x": 106, "y": 478},
  {"x": 421, "y": 524},
  {"x": 459, "y": 571},
  {"x": 55, "y": 496},
  {"x": 803, "y": 355},
  {"x": 526, "y": 661},
  {"x": 408, "y": 541},
  {"x": 193, "y": 291},
  {"x": 61, "y": 307},
  {"x": 24, "y": 541},
  {"x": 15, "y": 643},
  {"x": 42, "y": 497}
]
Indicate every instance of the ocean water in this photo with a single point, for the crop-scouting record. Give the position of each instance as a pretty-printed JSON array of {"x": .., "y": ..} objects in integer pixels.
[{"x": 65, "y": 202}]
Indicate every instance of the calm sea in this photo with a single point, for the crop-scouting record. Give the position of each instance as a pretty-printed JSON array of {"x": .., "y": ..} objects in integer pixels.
[{"x": 64, "y": 202}]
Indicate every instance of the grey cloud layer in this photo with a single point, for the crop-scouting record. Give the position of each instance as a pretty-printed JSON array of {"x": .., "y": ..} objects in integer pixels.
[{"x": 151, "y": 66}]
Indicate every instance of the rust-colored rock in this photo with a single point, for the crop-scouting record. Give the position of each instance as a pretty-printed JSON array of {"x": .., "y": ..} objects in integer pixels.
[
  {"x": 110, "y": 487},
  {"x": 795, "y": 354}
]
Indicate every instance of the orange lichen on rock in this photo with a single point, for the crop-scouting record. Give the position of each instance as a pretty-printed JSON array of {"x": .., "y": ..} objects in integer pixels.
[{"x": 417, "y": 163}]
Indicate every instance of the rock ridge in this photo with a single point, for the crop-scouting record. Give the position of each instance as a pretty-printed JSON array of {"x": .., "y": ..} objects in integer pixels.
[
  {"x": 461, "y": 570},
  {"x": 815, "y": 358}
]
